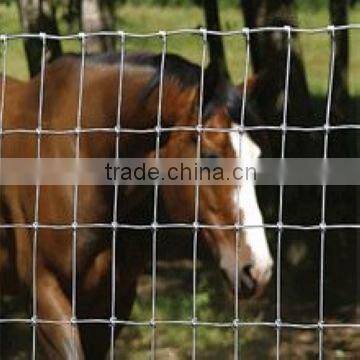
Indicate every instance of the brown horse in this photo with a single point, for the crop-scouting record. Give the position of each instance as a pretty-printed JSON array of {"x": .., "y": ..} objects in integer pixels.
[{"x": 218, "y": 205}]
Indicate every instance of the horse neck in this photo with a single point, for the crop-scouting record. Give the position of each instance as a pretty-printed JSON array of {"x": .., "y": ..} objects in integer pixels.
[
  {"x": 141, "y": 112},
  {"x": 100, "y": 100},
  {"x": 18, "y": 108}
]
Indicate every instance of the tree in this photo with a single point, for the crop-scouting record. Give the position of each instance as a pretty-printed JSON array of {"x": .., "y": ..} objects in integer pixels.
[
  {"x": 39, "y": 16},
  {"x": 98, "y": 15},
  {"x": 216, "y": 46},
  {"x": 269, "y": 56},
  {"x": 339, "y": 16},
  {"x": 251, "y": 11}
]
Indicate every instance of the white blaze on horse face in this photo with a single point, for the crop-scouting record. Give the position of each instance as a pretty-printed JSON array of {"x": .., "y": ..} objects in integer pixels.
[{"x": 245, "y": 199}]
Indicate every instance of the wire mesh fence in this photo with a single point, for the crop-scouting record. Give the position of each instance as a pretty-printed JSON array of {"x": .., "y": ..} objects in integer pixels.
[{"x": 237, "y": 323}]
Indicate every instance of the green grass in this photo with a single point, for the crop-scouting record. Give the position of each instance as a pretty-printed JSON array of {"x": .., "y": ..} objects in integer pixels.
[
  {"x": 213, "y": 302},
  {"x": 315, "y": 48}
]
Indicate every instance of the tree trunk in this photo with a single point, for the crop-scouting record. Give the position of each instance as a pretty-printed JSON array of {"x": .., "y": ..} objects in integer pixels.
[
  {"x": 93, "y": 19},
  {"x": 72, "y": 15},
  {"x": 39, "y": 16},
  {"x": 269, "y": 55},
  {"x": 251, "y": 10},
  {"x": 339, "y": 16},
  {"x": 216, "y": 46}
]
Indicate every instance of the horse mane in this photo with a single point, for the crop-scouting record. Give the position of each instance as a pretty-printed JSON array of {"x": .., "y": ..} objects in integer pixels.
[{"x": 218, "y": 91}]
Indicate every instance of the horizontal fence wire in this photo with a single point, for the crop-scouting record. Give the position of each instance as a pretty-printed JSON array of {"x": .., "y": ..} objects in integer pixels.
[
  {"x": 243, "y": 31},
  {"x": 180, "y": 128},
  {"x": 179, "y": 226},
  {"x": 114, "y": 226}
]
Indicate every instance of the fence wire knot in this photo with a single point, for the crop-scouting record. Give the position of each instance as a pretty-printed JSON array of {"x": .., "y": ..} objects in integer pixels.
[
  {"x": 327, "y": 128},
  {"x": 158, "y": 129},
  {"x": 322, "y": 226},
  {"x": 198, "y": 128},
  {"x": 246, "y": 32},
  {"x": 196, "y": 225},
  {"x": 287, "y": 29},
  {"x": 238, "y": 226},
  {"x": 283, "y": 128},
  {"x": 154, "y": 226},
  {"x": 236, "y": 323},
  {"x": 113, "y": 320},
  {"x": 194, "y": 322},
  {"x": 239, "y": 129},
  {"x": 43, "y": 36},
  {"x": 204, "y": 33},
  {"x": 331, "y": 30},
  {"x": 163, "y": 35},
  {"x": 33, "y": 320},
  {"x": 121, "y": 34}
]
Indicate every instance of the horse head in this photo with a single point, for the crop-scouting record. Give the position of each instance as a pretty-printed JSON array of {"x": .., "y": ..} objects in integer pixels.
[{"x": 245, "y": 248}]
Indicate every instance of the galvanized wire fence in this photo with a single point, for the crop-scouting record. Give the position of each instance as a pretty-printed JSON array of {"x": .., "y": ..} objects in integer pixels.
[{"x": 244, "y": 35}]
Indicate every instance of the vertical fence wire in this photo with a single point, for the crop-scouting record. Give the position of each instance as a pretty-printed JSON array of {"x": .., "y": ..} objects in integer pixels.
[
  {"x": 323, "y": 190},
  {"x": 281, "y": 193},
  {"x": 163, "y": 37},
  {"x": 3, "y": 41},
  {"x": 115, "y": 199},
  {"x": 240, "y": 133},
  {"x": 37, "y": 197},
  {"x": 74, "y": 329},
  {"x": 4, "y": 45},
  {"x": 199, "y": 125}
]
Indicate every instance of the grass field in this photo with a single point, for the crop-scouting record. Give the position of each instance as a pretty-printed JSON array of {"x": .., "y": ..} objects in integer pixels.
[
  {"x": 146, "y": 19},
  {"x": 176, "y": 342}
]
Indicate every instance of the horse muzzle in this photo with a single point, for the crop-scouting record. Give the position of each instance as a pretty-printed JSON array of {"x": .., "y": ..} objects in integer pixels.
[{"x": 253, "y": 281}]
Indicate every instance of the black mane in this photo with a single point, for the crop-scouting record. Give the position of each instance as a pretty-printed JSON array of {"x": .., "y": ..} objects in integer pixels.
[
  {"x": 218, "y": 92},
  {"x": 185, "y": 71}
]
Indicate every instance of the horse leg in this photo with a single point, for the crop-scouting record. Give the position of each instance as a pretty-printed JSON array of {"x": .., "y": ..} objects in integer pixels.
[
  {"x": 96, "y": 338},
  {"x": 130, "y": 263},
  {"x": 57, "y": 341}
]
